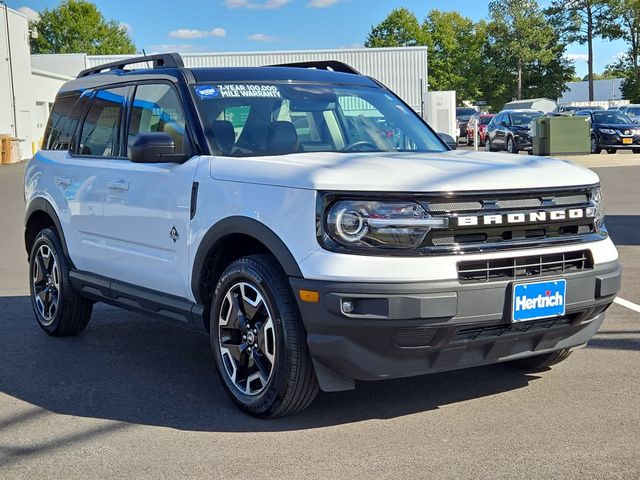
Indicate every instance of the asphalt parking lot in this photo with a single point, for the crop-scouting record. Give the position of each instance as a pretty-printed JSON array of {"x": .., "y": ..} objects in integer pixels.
[{"x": 137, "y": 398}]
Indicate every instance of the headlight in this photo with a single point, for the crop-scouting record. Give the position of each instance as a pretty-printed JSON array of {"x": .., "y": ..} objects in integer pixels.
[
  {"x": 368, "y": 224},
  {"x": 598, "y": 207},
  {"x": 608, "y": 131}
]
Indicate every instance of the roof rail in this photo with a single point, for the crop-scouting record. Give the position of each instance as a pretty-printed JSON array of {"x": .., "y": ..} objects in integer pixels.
[
  {"x": 161, "y": 60},
  {"x": 330, "y": 65}
]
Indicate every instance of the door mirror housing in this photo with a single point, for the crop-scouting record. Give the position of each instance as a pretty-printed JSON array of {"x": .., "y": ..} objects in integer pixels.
[
  {"x": 449, "y": 140},
  {"x": 153, "y": 147}
]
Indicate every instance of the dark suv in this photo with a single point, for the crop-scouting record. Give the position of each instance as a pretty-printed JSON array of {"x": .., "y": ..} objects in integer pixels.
[
  {"x": 510, "y": 130},
  {"x": 612, "y": 130}
]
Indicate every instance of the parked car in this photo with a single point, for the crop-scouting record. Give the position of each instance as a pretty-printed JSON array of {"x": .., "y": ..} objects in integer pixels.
[
  {"x": 267, "y": 208},
  {"x": 567, "y": 109},
  {"x": 612, "y": 131},
  {"x": 633, "y": 112},
  {"x": 510, "y": 130},
  {"x": 463, "y": 115},
  {"x": 481, "y": 120}
]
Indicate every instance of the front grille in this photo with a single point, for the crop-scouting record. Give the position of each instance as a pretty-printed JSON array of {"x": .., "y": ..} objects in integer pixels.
[
  {"x": 524, "y": 267},
  {"x": 488, "y": 234},
  {"x": 470, "y": 334}
]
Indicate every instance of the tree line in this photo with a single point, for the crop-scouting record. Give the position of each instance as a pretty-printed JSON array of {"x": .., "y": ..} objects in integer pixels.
[{"x": 519, "y": 50}]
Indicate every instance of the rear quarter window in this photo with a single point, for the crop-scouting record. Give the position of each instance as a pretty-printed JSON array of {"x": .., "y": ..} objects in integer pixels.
[{"x": 62, "y": 123}]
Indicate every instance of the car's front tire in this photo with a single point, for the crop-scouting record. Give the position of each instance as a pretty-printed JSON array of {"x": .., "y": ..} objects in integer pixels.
[
  {"x": 59, "y": 309},
  {"x": 511, "y": 145},
  {"x": 487, "y": 145},
  {"x": 595, "y": 148},
  {"x": 259, "y": 342},
  {"x": 611, "y": 151},
  {"x": 540, "y": 362}
]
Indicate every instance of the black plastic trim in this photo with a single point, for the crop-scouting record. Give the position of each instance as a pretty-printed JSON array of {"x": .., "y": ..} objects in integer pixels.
[
  {"x": 161, "y": 305},
  {"x": 245, "y": 226},
  {"x": 40, "y": 204},
  {"x": 194, "y": 200}
]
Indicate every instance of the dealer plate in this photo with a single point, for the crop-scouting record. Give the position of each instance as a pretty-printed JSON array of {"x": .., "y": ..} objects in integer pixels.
[
  {"x": 627, "y": 141},
  {"x": 536, "y": 300}
]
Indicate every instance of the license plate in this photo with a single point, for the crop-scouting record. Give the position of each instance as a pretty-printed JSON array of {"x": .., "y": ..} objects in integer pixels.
[
  {"x": 627, "y": 141},
  {"x": 536, "y": 300}
]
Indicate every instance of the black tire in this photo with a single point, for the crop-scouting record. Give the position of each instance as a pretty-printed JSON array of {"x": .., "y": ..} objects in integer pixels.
[
  {"x": 594, "y": 145},
  {"x": 636, "y": 150},
  {"x": 50, "y": 284},
  {"x": 487, "y": 145},
  {"x": 611, "y": 151},
  {"x": 511, "y": 145},
  {"x": 539, "y": 362},
  {"x": 292, "y": 384}
]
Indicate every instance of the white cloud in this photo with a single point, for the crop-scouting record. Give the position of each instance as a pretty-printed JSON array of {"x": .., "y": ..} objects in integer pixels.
[
  {"x": 261, "y": 37},
  {"x": 256, "y": 5},
  {"x": 175, "y": 47},
  {"x": 189, "y": 33},
  {"x": 30, "y": 13},
  {"x": 577, "y": 57},
  {"x": 322, "y": 3}
]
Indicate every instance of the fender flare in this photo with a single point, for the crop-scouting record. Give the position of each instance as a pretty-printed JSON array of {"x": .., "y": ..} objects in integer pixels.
[
  {"x": 245, "y": 226},
  {"x": 40, "y": 204}
]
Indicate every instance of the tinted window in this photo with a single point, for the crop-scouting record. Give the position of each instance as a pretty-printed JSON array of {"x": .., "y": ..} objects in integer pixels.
[
  {"x": 281, "y": 118},
  {"x": 100, "y": 130},
  {"x": 523, "y": 118},
  {"x": 611, "y": 117},
  {"x": 62, "y": 123},
  {"x": 156, "y": 108},
  {"x": 485, "y": 120}
]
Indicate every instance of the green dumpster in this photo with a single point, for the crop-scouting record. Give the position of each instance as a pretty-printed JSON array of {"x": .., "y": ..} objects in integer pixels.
[{"x": 561, "y": 136}]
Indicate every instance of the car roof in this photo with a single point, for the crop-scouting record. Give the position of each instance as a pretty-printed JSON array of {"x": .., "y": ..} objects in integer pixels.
[
  {"x": 520, "y": 110},
  {"x": 219, "y": 74}
]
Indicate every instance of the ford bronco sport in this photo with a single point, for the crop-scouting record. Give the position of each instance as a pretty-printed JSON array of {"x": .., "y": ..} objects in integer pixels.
[{"x": 312, "y": 224}]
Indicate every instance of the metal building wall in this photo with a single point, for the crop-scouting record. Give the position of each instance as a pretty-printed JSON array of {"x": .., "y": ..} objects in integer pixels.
[{"x": 403, "y": 70}]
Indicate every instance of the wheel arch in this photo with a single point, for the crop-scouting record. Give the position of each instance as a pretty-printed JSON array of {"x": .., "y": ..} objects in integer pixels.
[
  {"x": 234, "y": 237},
  {"x": 41, "y": 214}
]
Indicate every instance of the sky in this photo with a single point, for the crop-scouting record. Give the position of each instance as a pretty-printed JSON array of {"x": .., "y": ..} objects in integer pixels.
[{"x": 191, "y": 26}]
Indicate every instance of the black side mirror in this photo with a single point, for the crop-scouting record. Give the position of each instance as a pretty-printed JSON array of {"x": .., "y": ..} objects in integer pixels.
[
  {"x": 153, "y": 147},
  {"x": 449, "y": 140}
]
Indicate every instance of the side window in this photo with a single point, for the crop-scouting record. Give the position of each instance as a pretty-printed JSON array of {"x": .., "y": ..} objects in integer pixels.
[
  {"x": 100, "y": 130},
  {"x": 61, "y": 124},
  {"x": 156, "y": 108}
]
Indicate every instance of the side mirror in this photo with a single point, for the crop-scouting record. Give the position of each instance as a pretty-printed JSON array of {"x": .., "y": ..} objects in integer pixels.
[
  {"x": 153, "y": 147},
  {"x": 449, "y": 140}
]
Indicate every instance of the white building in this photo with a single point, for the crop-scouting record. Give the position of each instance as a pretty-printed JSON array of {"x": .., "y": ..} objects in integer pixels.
[{"x": 603, "y": 91}]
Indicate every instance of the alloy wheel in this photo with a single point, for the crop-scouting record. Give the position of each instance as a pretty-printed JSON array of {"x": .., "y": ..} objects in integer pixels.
[
  {"x": 246, "y": 337},
  {"x": 46, "y": 284},
  {"x": 594, "y": 144}
]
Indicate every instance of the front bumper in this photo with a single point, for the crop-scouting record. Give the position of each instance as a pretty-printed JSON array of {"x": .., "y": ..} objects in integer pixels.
[
  {"x": 401, "y": 330},
  {"x": 607, "y": 141},
  {"x": 523, "y": 142}
]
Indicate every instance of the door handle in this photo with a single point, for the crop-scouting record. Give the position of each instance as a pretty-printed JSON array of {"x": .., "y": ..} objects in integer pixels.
[
  {"x": 64, "y": 181},
  {"x": 119, "y": 185}
]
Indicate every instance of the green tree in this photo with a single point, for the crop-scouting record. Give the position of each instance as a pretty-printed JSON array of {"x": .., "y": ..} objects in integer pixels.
[
  {"x": 400, "y": 29},
  {"x": 77, "y": 26},
  {"x": 519, "y": 31},
  {"x": 456, "y": 46},
  {"x": 583, "y": 20}
]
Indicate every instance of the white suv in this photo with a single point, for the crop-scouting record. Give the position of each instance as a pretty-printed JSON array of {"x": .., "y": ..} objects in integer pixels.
[{"x": 312, "y": 224}]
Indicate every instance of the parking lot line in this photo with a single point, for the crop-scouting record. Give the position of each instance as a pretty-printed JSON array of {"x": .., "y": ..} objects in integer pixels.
[{"x": 627, "y": 304}]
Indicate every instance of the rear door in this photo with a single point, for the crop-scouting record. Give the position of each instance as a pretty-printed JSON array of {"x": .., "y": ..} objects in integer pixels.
[{"x": 146, "y": 213}]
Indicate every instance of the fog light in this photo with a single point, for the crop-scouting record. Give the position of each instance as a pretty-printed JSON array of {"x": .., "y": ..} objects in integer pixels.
[{"x": 348, "y": 306}]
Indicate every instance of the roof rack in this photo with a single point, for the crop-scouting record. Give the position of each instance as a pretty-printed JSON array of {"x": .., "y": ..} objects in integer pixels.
[
  {"x": 162, "y": 60},
  {"x": 330, "y": 65}
]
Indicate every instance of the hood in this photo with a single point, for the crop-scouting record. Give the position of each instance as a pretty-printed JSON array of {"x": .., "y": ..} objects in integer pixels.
[
  {"x": 617, "y": 126},
  {"x": 451, "y": 171}
]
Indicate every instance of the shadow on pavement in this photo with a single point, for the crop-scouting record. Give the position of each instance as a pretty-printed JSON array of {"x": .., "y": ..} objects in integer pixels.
[
  {"x": 128, "y": 368},
  {"x": 624, "y": 229}
]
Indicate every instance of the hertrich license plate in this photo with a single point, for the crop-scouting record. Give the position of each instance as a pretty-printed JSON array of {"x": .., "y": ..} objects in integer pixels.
[{"x": 536, "y": 300}]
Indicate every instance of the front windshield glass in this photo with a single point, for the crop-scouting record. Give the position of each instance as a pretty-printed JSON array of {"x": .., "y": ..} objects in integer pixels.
[
  {"x": 252, "y": 119},
  {"x": 610, "y": 117},
  {"x": 523, "y": 118},
  {"x": 485, "y": 120}
]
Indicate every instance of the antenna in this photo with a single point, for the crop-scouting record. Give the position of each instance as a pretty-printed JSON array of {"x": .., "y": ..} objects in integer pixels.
[{"x": 145, "y": 54}]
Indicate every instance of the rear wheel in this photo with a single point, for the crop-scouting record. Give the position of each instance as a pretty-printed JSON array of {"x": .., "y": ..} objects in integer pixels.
[
  {"x": 636, "y": 150},
  {"x": 594, "y": 145},
  {"x": 540, "y": 362},
  {"x": 611, "y": 150},
  {"x": 59, "y": 309},
  {"x": 258, "y": 340}
]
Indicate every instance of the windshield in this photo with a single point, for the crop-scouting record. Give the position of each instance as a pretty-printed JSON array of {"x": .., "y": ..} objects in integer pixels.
[
  {"x": 523, "y": 118},
  {"x": 485, "y": 120},
  {"x": 610, "y": 117},
  {"x": 243, "y": 119},
  {"x": 465, "y": 113}
]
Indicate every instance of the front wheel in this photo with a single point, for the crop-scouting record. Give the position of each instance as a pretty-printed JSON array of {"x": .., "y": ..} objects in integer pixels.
[
  {"x": 511, "y": 145},
  {"x": 540, "y": 362},
  {"x": 611, "y": 151},
  {"x": 636, "y": 150},
  {"x": 258, "y": 340},
  {"x": 59, "y": 309},
  {"x": 594, "y": 145},
  {"x": 487, "y": 145}
]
